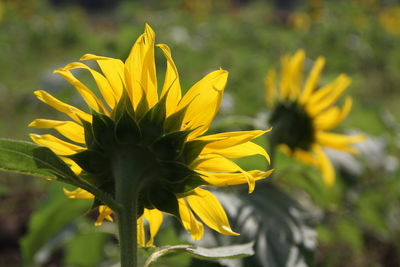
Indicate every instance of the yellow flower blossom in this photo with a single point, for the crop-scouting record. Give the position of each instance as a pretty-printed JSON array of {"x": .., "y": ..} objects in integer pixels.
[
  {"x": 303, "y": 113},
  {"x": 162, "y": 132}
]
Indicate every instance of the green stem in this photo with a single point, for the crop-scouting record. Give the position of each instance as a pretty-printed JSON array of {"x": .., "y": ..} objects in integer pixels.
[
  {"x": 127, "y": 182},
  {"x": 127, "y": 237}
]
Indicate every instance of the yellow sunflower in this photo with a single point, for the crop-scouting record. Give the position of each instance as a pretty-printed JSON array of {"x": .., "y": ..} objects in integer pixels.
[
  {"x": 159, "y": 134},
  {"x": 303, "y": 113}
]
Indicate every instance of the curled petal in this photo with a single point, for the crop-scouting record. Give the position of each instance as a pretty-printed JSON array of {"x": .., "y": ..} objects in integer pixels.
[
  {"x": 69, "y": 129},
  {"x": 78, "y": 193},
  {"x": 202, "y": 102},
  {"x": 74, "y": 113},
  {"x": 89, "y": 97},
  {"x": 189, "y": 221},
  {"x": 220, "y": 164},
  {"x": 155, "y": 218},
  {"x": 226, "y": 179},
  {"x": 102, "y": 83},
  {"x": 172, "y": 85},
  {"x": 104, "y": 213},
  {"x": 210, "y": 211},
  {"x": 113, "y": 70},
  {"x": 238, "y": 151},
  {"x": 228, "y": 139},
  {"x": 58, "y": 146}
]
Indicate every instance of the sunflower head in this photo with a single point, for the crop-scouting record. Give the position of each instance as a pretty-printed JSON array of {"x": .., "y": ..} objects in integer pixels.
[
  {"x": 304, "y": 112},
  {"x": 159, "y": 138}
]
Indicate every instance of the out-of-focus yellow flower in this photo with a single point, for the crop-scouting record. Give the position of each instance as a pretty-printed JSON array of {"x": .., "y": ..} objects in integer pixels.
[
  {"x": 303, "y": 113},
  {"x": 389, "y": 19},
  {"x": 162, "y": 136},
  {"x": 300, "y": 21}
]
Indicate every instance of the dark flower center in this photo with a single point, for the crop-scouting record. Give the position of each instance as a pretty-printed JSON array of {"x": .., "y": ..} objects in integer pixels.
[{"x": 292, "y": 126}]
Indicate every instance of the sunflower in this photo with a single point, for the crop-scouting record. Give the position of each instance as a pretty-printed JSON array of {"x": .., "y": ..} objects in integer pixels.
[
  {"x": 303, "y": 114},
  {"x": 161, "y": 135}
]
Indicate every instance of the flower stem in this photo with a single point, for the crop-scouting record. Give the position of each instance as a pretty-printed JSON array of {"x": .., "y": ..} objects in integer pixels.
[
  {"x": 127, "y": 178},
  {"x": 127, "y": 237}
]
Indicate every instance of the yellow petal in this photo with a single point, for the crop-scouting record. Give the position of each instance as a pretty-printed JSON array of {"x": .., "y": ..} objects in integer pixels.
[
  {"x": 210, "y": 211},
  {"x": 226, "y": 179},
  {"x": 141, "y": 240},
  {"x": 328, "y": 173},
  {"x": 327, "y": 95},
  {"x": 89, "y": 97},
  {"x": 189, "y": 221},
  {"x": 140, "y": 71},
  {"x": 237, "y": 151},
  {"x": 155, "y": 218},
  {"x": 102, "y": 83},
  {"x": 296, "y": 74},
  {"x": 312, "y": 80},
  {"x": 58, "y": 146},
  {"x": 202, "y": 102},
  {"x": 172, "y": 85},
  {"x": 72, "y": 112},
  {"x": 69, "y": 129},
  {"x": 270, "y": 88},
  {"x": 220, "y": 164},
  {"x": 300, "y": 154},
  {"x": 332, "y": 116},
  {"x": 104, "y": 213},
  {"x": 338, "y": 141},
  {"x": 228, "y": 139},
  {"x": 72, "y": 165},
  {"x": 78, "y": 193},
  {"x": 113, "y": 69}
]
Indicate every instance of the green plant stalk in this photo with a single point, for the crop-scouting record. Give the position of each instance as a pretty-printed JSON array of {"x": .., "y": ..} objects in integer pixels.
[{"x": 127, "y": 188}]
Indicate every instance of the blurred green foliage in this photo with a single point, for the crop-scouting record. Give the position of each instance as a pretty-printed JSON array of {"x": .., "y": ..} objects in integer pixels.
[{"x": 358, "y": 217}]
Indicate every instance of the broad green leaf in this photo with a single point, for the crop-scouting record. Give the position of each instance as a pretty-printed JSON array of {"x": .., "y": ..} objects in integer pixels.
[
  {"x": 29, "y": 158},
  {"x": 48, "y": 221},
  {"x": 228, "y": 252},
  {"x": 279, "y": 226}
]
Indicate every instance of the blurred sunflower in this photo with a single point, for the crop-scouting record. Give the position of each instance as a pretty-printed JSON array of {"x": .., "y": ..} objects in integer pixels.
[
  {"x": 389, "y": 18},
  {"x": 303, "y": 114},
  {"x": 161, "y": 136}
]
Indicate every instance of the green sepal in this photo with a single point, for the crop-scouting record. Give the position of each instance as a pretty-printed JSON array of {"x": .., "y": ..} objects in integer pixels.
[
  {"x": 190, "y": 184},
  {"x": 174, "y": 122},
  {"x": 103, "y": 130},
  {"x": 91, "y": 161},
  {"x": 141, "y": 108},
  {"x": 164, "y": 200},
  {"x": 192, "y": 150},
  {"x": 170, "y": 146},
  {"x": 126, "y": 130},
  {"x": 124, "y": 105},
  {"x": 152, "y": 123},
  {"x": 175, "y": 172},
  {"x": 89, "y": 138}
]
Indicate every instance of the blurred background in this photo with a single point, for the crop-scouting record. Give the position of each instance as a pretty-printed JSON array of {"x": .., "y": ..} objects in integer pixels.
[{"x": 355, "y": 223}]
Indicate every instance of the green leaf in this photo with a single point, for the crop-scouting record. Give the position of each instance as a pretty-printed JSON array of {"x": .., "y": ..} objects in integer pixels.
[
  {"x": 49, "y": 220},
  {"x": 281, "y": 229},
  {"x": 29, "y": 158},
  {"x": 228, "y": 252}
]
